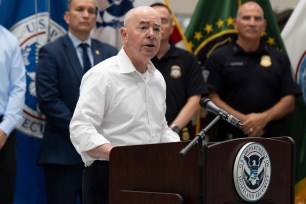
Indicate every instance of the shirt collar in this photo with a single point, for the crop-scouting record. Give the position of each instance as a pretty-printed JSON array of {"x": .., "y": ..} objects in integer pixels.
[
  {"x": 261, "y": 50},
  {"x": 76, "y": 42},
  {"x": 126, "y": 65}
]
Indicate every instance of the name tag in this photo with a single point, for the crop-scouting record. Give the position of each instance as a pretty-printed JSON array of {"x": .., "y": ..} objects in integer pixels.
[{"x": 236, "y": 64}]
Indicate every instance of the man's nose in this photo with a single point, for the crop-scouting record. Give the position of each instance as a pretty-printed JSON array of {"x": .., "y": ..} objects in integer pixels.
[
  {"x": 85, "y": 13},
  {"x": 151, "y": 33}
]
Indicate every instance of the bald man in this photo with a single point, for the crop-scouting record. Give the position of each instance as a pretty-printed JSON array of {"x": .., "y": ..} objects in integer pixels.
[
  {"x": 251, "y": 80},
  {"x": 122, "y": 102}
]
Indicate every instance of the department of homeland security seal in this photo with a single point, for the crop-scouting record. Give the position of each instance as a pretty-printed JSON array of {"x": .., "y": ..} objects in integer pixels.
[
  {"x": 252, "y": 172},
  {"x": 32, "y": 33}
]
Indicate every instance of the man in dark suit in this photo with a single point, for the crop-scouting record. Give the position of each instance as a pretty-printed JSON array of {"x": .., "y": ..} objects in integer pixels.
[{"x": 61, "y": 66}]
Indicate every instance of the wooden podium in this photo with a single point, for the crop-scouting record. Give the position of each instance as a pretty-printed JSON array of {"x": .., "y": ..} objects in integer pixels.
[{"x": 157, "y": 173}]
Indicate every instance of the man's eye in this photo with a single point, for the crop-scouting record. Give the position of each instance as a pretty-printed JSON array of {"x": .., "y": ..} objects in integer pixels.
[
  {"x": 259, "y": 18},
  {"x": 92, "y": 11},
  {"x": 157, "y": 30},
  {"x": 164, "y": 21},
  {"x": 143, "y": 28}
]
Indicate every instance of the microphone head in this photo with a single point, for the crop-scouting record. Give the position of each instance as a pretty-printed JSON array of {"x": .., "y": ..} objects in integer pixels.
[
  {"x": 204, "y": 101},
  {"x": 208, "y": 105}
]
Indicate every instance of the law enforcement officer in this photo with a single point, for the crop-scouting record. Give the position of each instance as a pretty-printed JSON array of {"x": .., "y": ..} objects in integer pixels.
[
  {"x": 183, "y": 77},
  {"x": 251, "y": 80}
]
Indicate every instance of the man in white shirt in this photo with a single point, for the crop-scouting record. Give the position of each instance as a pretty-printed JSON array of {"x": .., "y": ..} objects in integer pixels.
[
  {"x": 122, "y": 102},
  {"x": 12, "y": 94}
]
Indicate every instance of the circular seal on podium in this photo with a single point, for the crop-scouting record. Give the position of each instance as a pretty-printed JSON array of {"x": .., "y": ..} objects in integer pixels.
[{"x": 252, "y": 172}]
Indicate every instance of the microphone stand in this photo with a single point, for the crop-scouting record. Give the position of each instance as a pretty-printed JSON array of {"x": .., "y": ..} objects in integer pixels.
[{"x": 199, "y": 138}]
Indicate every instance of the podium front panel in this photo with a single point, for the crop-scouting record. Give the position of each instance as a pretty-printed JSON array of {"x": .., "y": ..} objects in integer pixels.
[
  {"x": 203, "y": 176},
  {"x": 219, "y": 163},
  {"x": 155, "y": 168}
]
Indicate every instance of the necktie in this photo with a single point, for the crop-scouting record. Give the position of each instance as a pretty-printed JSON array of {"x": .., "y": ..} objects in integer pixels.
[{"x": 86, "y": 61}]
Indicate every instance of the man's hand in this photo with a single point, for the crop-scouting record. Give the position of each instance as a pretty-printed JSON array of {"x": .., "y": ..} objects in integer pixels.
[
  {"x": 254, "y": 124},
  {"x": 3, "y": 139},
  {"x": 101, "y": 151}
]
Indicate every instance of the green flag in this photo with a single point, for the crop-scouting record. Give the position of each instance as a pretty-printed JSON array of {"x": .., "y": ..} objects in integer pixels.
[{"x": 212, "y": 25}]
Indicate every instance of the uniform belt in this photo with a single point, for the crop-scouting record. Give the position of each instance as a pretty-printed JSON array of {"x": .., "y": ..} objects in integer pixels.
[{"x": 1, "y": 117}]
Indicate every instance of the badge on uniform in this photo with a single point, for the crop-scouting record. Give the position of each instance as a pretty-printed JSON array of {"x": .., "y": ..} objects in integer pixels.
[
  {"x": 185, "y": 134},
  {"x": 97, "y": 52},
  {"x": 265, "y": 61},
  {"x": 175, "y": 71}
]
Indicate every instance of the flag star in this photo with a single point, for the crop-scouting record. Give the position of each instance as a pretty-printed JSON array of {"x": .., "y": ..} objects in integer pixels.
[
  {"x": 208, "y": 28},
  {"x": 198, "y": 36},
  {"x": 263, "y": 34},
  {"x": 220, "y": 23},
  {"x": 191, "y": 45},
  {"x": 230, "y": 21},
  {"x": 271, "y": 41}
]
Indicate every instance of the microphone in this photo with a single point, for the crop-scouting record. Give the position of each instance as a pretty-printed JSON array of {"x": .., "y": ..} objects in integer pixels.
[{"x": 211, "y": 107}]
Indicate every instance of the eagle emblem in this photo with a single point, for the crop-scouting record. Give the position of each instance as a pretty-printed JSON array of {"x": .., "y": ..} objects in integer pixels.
[{"x": 253, "y": 171}]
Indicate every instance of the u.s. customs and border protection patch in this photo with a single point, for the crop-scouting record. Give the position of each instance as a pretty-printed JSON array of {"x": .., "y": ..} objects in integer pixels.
[{"x": 252, "y": 172}]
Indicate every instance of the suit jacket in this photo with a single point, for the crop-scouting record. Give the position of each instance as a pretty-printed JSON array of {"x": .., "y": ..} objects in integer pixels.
[{"x": 58, "y": 78}]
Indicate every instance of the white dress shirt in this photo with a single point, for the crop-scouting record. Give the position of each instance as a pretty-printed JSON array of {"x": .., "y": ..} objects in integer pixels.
[{"x": 118, "y": 105}]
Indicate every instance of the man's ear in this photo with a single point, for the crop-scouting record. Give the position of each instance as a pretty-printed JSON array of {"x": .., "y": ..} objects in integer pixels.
[
  {"x": 235, "y": 23},
  {"x": 67, "y": 17},
  {"x": 124, "y": 34}
]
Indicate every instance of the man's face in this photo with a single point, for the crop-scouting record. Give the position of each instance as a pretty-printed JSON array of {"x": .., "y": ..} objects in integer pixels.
[
  {"x": 167, "y": 22},
  {"x": 142, "y": 34},
  {"x": 250, "y": 22},
  {"x": 81, "y": 16}
]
